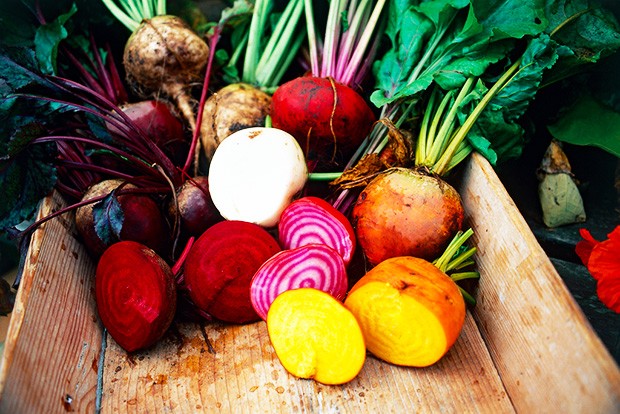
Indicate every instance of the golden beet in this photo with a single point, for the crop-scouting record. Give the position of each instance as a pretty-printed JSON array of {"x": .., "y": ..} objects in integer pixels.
[
  {"x": 410, "y": 312},
  {"x": 405, "y": 213},
  {"x": 315, "y": 336}
]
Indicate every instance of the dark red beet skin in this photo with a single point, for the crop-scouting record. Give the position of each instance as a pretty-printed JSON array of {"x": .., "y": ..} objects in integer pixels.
[
  {"x": 135, "y": 293},
  {"x": 159, "y": 123},
  {"x": 304, "y": 107},
  {"x": 143, "y": 220},
  {"x": 195, "y": 207},
  {"x": 219, "y": 268}
]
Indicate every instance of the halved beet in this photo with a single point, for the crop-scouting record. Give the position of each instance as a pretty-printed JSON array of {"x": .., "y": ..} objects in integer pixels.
[
  {"x": 312, "y": 220},
  {"x": 135, "y": 293},
  {"x": 310, "y": 266},
  {"x": 219, "y": 268}
]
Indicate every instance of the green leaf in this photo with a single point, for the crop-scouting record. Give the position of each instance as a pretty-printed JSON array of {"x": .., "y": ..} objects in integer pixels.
[
  {"x": 497, "y": 134},
  {"x": 511, "y": 18},
  {"x": 541, "y": 54},
  {"x": 18, "y": 69},
  {"x": 48, "y": 37},
  {"x": 589, "y": 122},
  {"x": 461, "y": 42},
  {"x": 591, "y": 33},
  {"x": 108, "y": 219},
  {"x": 24, "y": 180}
]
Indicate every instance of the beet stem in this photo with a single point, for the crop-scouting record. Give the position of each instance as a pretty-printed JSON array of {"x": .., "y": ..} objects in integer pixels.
[
  {"x": 217, "y": 30},
  {"x": 178, "y": 265}
]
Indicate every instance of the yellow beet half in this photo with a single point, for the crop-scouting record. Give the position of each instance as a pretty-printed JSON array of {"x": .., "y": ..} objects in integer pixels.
[
  {"x": 410, "y": 312},
  {"x": 315, "y": 336}
]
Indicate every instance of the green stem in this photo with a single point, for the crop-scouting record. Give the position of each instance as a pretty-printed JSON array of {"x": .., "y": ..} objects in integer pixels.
[
  {"x": 424, "y": 135},
  {"x": 441, "y": 141},
  {"x": 457, "y": 277},
  {"x": 326, "y": 176},
  {"x": 432, "y": 131},
  {"x": 429, "y": 51},
  {"x": 461, "y": 153},
  {"x": 469, "y": 299},
  {"x": 461, "y": 259},
  {"x": 440, "y": 167},
  {"x": 161, "y": 8},
  {"x": 332, "y": 32},
  {"x": 312, "y": 37},
  {"x": 363, "y": 41},
  {"x": 280, "y": 50},
  {"x": 455, "y": 244},
  {"x": 257, "y": 28},
  {"x": 121, "y": 15},
  {"x": 131, "y": 12}
]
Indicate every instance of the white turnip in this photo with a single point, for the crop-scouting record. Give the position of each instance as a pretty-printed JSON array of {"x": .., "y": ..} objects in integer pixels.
[{"x": 255, "y": 173}]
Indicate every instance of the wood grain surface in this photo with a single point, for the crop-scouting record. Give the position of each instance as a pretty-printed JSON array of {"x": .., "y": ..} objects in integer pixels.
[
  {"x": 53, "y": 345},
  {"x": 549, "y": 357}
]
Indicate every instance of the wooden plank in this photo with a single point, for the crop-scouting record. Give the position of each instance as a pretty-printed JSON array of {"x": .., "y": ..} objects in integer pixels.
[
  {"x": 237, "y": 371},
  {"x": 548, "y": 356},
  {"x": 54, "y": 340}
]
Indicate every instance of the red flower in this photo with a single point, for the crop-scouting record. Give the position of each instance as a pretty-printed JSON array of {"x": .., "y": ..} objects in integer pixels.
[{"x": 603, "y": 262}]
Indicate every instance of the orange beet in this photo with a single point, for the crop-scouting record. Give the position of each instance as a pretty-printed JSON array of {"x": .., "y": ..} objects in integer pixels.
[
  {"x": 411, "y": 313},
  {"x": 406, "y": 213}
]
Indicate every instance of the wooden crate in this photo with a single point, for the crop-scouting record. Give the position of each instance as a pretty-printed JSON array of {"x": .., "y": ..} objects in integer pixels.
[{"x": 526, "y": 347}]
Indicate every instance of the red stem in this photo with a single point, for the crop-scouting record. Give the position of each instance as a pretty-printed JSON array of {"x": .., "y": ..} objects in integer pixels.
[
  {"x": 178, "y": 265},
  {"x": 203, "y": 97},
  {"x": 119, "y": 87},
  {"x": 102, "y": 72}
]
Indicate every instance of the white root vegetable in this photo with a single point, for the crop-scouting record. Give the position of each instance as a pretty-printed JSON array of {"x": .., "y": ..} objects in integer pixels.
[{"x": 255, "y": 173}]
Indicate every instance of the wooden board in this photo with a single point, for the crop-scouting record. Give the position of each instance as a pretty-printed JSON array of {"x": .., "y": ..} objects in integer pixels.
[
  {"x": 53, "y": 346},
  {"x": 525, "y": 348},
  {"x": 540, "y": 340}
]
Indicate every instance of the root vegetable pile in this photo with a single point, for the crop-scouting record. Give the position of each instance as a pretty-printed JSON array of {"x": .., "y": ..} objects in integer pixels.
[{"x": 305, "y": 164}]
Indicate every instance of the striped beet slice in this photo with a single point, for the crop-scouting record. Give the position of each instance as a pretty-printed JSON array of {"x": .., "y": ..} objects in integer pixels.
[
  {"x": 313, "y": 265},
  {"x": 312, "y": 220}
]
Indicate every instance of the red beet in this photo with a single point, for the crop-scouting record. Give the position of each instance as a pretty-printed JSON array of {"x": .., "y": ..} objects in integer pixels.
[
  {"x": 143, "y": 220},
  {"x": 304, "y": 107},
  {"x": 195, "y": 207},
  {"x": 219, "y": 268},
  {"x": 136, "y": 295},
  {"x": 158, "y": 121}
]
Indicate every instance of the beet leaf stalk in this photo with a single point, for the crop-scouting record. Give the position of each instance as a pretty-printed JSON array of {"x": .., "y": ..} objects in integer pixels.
[
  {"x": 269, "y": 54},
  {"x": 456, "y": 260},
  {"x": 347, "y": 50},
  {"x": 131, "y": 12}
]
